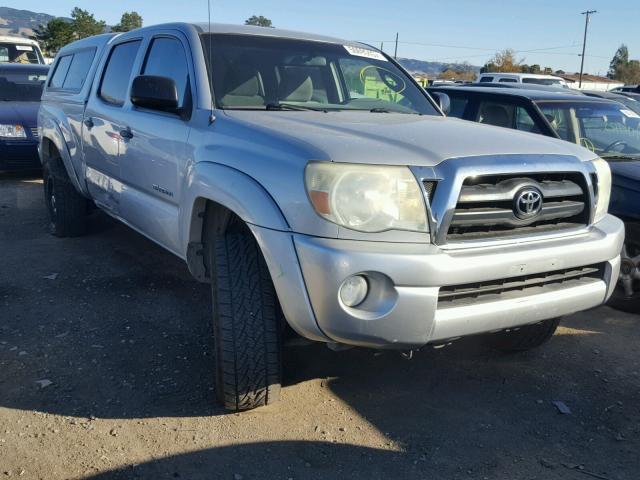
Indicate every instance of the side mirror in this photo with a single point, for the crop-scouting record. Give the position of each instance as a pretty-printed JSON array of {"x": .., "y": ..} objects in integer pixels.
[
  {"x": 155, "y": 93},
  {"x": 443, "y": 101}
]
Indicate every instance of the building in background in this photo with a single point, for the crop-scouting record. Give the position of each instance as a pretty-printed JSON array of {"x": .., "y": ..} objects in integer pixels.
[{"x": 590, "y": 82}]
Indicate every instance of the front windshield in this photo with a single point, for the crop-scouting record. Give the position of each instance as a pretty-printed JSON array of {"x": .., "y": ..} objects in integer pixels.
[
  {"x": 21, "y": 86},
  {"x": 609, "y": 129},
  {"x": 264, "y": 73},
  {"x": 12, "y": 53}
]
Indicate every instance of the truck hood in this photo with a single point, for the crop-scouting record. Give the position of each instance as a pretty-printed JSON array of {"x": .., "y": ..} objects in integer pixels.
[
  {"x": 398, "y": 139},
  {"x": 23, "y": 113}
]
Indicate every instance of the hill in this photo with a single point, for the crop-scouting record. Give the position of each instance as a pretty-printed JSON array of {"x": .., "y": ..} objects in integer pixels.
[
  {"x": 21, "y": 22},
  {"x": 432, "y": 69}
]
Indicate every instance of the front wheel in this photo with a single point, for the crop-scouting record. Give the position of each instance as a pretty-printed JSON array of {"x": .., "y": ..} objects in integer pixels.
[
  {"x": 626, "y": 296},
  {"x": 246, "y": 323},
  {"x": 524, "y": 338}
]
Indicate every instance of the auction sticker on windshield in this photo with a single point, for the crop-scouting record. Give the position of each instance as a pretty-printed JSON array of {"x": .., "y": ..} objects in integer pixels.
[
  {"x": 24, "y": 48},
  {"x": 630, "y": 113},
  {"x": 364, "y": 52}
]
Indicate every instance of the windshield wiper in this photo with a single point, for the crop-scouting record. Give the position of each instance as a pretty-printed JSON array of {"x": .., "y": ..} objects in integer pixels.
[
  {"x": 289, "y": 106},
  {"x": 380, "y": 110},
  {"x": 621, "y": 156}
]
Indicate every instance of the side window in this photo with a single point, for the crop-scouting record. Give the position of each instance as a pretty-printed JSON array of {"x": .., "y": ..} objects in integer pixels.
[
  {"x": 498, "y": 114},
  {"x": 508, "y": 80},
  {"x": 116, "y": 76},
  {"x": 524, "y": 121},
  {"x": 79, "y": 69},
  {"x": 60, "y": 73},
  {"x": 166, "y": 58},
  {"x": 458, "y": 106},
  {"x": 486, "y": 79},
  {"x": 4, "y": 54}
]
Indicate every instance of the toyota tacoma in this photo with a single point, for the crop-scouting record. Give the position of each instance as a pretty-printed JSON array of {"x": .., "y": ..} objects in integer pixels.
[{"x": 320, "y": 190}]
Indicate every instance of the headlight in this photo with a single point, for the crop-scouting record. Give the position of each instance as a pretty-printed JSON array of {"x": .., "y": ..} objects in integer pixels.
[
  {"x": 366, "y": 198},
  {"x": 602, "y": 189},
  {"x": 12, "y": 131}
]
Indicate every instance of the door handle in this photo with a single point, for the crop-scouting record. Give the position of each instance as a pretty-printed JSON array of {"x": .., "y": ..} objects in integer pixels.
[
  {"x": 126, "y": 133},
  {"x": 89, "y": 123}
]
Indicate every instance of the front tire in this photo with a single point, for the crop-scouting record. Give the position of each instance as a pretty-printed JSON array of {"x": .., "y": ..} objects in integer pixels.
[
  {"x": 67, "y": 208},
  {"x": 246, "y": 323},
  {"x": 626, "y": 296},
  {"x": 524, "y": 338}
]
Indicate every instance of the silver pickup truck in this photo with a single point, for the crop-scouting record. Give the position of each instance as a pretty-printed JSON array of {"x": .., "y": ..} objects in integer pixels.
[{"x": 319, "y": 189}]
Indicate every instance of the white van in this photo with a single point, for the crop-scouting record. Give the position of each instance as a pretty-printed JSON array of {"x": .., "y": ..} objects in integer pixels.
[
  {"x": 20, "y": 50},
  {"x": 533, "y": 78}
]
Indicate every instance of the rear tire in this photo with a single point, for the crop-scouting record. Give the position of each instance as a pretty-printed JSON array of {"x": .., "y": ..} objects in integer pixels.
[
  {"x": 67, "y": 208},
  {"x": 246, "y": 323},
  {"x": 524, "y": 338}
]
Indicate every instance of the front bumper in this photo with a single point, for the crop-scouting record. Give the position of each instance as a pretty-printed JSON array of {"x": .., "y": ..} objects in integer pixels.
[
  {"x": 19, "y": 155},
  {"x": 402, "y": 310}
]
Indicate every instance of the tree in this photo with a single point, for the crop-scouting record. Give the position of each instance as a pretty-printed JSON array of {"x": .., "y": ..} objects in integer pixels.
[
  {"x": 503, "y": 62},
  {"x": 85, "y": 24},
  {"x": 619, "y": 61},
  {"x": 629, "y": 73},
  {"x": 128, "y": 21},
  {"x": 54, "y": 35},
  {"x": 259, "y": 21}
]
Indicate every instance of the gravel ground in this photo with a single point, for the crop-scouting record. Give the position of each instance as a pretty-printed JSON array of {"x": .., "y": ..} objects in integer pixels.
[{"x": 106, "y": 372}]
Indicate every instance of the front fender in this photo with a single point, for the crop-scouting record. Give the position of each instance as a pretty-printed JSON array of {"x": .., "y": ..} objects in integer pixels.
[{"x": 229, "y": 187}]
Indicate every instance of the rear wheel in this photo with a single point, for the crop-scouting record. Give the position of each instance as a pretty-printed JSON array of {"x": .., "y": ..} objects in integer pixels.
[
  {"x": 626, "y": 296},
  {"x": 524, "y": 338},
  {"x": 246, "y": 323},
  {"x": 67, "y": 208}
]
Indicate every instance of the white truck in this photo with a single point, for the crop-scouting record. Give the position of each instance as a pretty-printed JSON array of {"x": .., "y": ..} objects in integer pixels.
[{"x": 20, "y": 50}]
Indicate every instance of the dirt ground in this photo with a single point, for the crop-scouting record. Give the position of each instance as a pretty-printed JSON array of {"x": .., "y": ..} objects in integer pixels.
[{"x": 106, "y": 372}]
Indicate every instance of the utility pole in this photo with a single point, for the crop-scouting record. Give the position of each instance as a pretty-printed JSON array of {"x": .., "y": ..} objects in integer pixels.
[
  {"x": 587, "y": 15},
  {"x": 395, "y": 54}
]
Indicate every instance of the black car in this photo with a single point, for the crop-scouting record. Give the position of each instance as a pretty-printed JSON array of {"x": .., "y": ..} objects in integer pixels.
[
  {"x": 627, "y": 88},
  {"x": 628, "y": 100},
  {"x": 608, "y": 128},
  {"x": 20, "y": 91}
]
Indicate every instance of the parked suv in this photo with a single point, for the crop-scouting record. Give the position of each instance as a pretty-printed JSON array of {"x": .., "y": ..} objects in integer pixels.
[{"x": 314, "y": 184}]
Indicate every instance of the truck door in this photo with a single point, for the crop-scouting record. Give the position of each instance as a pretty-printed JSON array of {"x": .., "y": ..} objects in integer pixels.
[
  {"x": 153, "y": 160},
  {"x": 103, "y": 127}
]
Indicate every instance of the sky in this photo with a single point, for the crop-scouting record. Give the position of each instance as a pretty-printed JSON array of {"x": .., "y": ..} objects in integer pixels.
[{"x": 545, "y": 32}]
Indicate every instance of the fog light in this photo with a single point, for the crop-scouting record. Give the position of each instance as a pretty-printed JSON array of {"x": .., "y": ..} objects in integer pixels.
[{"x": 354, "y": 290}]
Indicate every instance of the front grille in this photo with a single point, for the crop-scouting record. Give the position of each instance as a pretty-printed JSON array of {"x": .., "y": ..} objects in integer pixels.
[
  {"x": 486, "y": 206},
  {"x": 34, "y": 132},
  {"x": 460, "y": 295}
]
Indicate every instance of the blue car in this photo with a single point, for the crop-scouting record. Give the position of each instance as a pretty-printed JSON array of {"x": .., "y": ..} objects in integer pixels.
[
  {"x": 609, "y": 128},
  {"x": 20, "y": 91}
]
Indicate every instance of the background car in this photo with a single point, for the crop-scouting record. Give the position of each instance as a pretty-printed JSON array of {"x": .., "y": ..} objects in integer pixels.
[
  {"x": 632, "y": 103},
  {"x": 20, "y": 91},
  {"x": 526, "y": 78},
  {"x": 608, "y": 128},
  {"x": 20, "y": 50}
]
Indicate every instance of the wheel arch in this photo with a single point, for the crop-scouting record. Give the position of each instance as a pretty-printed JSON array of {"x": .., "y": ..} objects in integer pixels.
[{"x": 216, "y": 194}]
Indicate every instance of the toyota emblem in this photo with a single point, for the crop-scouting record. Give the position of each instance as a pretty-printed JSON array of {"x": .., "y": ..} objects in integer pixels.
[{"x": 527, "y": 203}]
